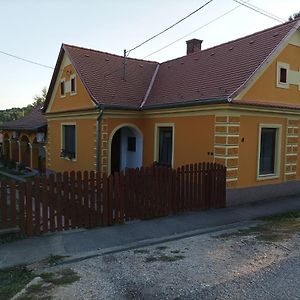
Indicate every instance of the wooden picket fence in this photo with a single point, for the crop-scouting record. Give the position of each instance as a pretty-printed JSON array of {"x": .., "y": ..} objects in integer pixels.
[{"x": 74, "y": 200}]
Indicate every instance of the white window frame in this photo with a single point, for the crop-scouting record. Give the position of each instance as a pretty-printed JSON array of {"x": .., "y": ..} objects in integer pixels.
[
  {"x": 73, "y": 76},
  {"x": 64, "y": 82},
  {"x": 156, "y": 140},
  {"x": 277, "y": 160},
  {"x": 279, "y": 84},
  {"x": 62, "y": 140}
]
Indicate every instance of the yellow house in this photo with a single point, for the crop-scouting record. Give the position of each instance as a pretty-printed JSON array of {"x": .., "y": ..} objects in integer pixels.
[{"x": 237, "y": 104}]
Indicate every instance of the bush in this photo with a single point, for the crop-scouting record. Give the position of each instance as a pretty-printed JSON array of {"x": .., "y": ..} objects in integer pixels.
[{"x": 11, "y": 164}]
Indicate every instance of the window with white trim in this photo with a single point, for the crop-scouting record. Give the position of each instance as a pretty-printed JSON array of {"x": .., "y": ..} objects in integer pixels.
[
  {"x": 269, "y": 151},
  {"x": 165, "y": 146},
  {"x": 73, "y": 84},
  {"x": 282, "y": 80},
  {"x": 68, "y": 149}
]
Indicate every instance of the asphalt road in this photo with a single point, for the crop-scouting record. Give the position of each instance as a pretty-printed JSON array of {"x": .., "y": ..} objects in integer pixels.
[{"x": 280, "y": 281}]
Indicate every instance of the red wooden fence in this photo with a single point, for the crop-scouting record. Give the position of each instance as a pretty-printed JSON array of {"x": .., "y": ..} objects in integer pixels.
[{"x": 73, "y": 200}]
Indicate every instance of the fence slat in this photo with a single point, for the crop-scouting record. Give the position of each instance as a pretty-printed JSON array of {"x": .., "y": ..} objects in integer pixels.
[
  {"x": 13, "y": 207},
  {"x": 51, "y": 202},
  {"x": 4, "y": 203},
  {"x": 37, "y": 206},
  {"x": 45, "y": 201},
  {"x": 22, "y": 224},
  {"x": 92, "y": 193},
  {"x": 86, "y": 198},
  {"x": 29, "y": 214},
  {"x": 59, "y": 216}
]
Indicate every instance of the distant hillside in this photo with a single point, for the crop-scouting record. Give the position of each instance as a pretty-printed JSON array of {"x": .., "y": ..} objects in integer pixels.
[{"x": 13, "y": 113}]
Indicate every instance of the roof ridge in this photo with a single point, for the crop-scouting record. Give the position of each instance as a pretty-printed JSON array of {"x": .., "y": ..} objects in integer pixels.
[
  {"x": 236, "y": 40},
  {"x": 112, "y": 54}
]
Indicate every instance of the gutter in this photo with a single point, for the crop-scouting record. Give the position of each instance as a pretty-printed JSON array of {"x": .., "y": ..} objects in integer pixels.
[
  {"x": 189, "y": 103},
  {"x": 98, "y": 136}
]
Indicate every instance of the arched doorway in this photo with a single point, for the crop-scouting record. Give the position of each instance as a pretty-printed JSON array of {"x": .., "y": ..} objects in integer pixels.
[
  {"x": 6, "y": 146},
  {"x": 126, "y": 148},
  {"x": 25, "y": 151}
]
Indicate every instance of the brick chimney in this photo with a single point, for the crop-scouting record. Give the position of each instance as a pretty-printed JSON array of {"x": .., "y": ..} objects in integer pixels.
[{"x": 193, "y": 45}]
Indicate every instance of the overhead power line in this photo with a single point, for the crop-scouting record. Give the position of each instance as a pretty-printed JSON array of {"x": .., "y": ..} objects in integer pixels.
[
  {"x": 197, "y": 29},
  {"x": 26, "y": 60},
  {"x": 261, "y": 11},
  {"x": 173, "y": 25}
]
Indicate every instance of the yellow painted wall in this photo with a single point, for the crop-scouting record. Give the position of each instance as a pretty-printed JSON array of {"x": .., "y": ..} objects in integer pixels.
[
  {"x": 248, "y": 150},
  {"x": 194, "y": 137},
  {"x": 85, "y": 145},
  {"x": 264, "y": 89},
  {"x": 81, "y": 100}
]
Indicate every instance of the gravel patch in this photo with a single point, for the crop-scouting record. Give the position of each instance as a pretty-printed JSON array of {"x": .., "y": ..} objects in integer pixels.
[{"x": 207, "y": 266}]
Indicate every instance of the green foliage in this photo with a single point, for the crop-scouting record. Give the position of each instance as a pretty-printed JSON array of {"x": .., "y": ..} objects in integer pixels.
[
  {"x": 294, "y": 16},
  {"x": 15, "y": 113}
]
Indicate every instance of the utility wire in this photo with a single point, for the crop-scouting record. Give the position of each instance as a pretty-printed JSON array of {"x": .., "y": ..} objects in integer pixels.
[
  {"x": 156, "y": 35},
  {"x": 26, "y": 60},
  {"x": 261, "y": 11},
  {"x": 197, "y": 29}
]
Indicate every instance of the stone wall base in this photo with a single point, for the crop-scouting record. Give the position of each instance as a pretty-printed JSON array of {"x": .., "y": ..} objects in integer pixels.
[{"x": 260, "y": 193}]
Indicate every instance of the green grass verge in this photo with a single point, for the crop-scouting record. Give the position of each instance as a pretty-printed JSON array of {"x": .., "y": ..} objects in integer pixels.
[
  {"x": 12, "y": 280},
  {"x": 276, "y": 228}
]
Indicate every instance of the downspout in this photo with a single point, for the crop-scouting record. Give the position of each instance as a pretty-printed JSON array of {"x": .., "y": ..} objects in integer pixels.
[{"x": 98, "y": 136}]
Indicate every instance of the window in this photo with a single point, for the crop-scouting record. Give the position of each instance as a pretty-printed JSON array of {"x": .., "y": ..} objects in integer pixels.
[
  {"x": 62, "y": 88},
  {"x": 131, "y": 144},
  {"x": 283, "y": 75},
  {"x": 165, "y": 150},
  {"x": 73, "y": 85},
  {"x": 269, "y": 148},
  {"x": 68, "y": 142}
]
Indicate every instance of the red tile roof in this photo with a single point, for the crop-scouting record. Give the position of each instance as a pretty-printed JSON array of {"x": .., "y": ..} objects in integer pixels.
[
  {"x": 204, "y": 76},
  {"x": 217, "y": 72},
  {"x": 33, "y": 121},
  {"x": 102, "y": 74}
]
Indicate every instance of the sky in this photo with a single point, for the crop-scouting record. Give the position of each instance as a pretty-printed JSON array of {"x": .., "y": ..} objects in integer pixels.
[{"x": 35, "y": 30}]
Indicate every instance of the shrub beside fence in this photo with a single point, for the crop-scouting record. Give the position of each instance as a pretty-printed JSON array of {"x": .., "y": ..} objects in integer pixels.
[{"x": 73, "y": 200}]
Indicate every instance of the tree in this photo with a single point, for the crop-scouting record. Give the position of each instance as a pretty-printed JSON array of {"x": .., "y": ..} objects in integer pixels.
[
  {"x": 40, "y": 99},
  {"x": 294, "y": 16}
]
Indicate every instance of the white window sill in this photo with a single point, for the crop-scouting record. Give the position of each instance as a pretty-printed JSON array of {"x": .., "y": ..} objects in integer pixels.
[
  {"x": 69, "y": 159},
  {"x": 267, "y": 176}
]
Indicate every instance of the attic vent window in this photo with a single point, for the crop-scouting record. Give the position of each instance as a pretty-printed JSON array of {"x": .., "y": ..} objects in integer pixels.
[
  {"x": 62, "y": 88},
  {"x": 231, "y": 48},
  {"x": 86, "y": 55},
  {"x": 283, "y": 75},
  {"x": 141, "y": 66},
  {"x": 73, "y": 84},
  {"x": 106, "y": 59},
  {"x": 251, "y": 42},
  {"x": 212, "y": 54},
  {"x": 276, "y": 34}
]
